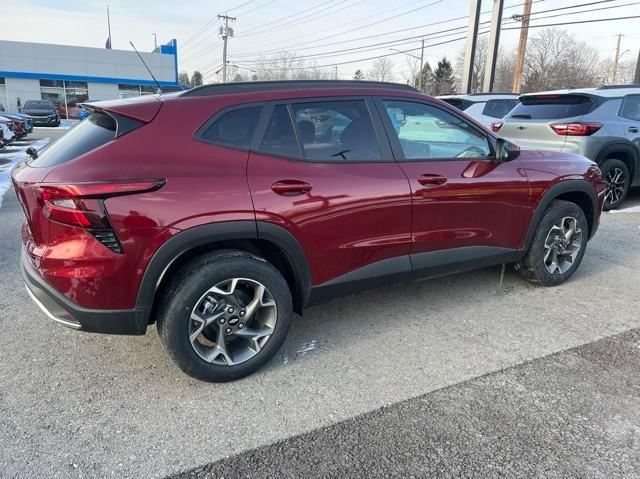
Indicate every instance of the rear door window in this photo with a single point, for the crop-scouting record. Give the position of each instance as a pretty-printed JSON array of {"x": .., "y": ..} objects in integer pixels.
[
  {"x": 234, "y": 128},
  {"x": 631, "y": 108},
  {"x": 340, "y": 130},
  {"x": 499, "y": 108},
  {"x": 97, "y": 130},
  {"x": 551, "y": 107}
]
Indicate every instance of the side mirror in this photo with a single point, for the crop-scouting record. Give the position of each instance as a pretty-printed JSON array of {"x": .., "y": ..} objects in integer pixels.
[{"x": 506, "y": 151}]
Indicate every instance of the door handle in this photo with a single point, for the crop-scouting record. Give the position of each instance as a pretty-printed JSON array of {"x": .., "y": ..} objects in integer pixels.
[
  {"x": 632, "y": 129},
  {"x": 291, "y": 187},
  {"x": 431, "y": 180}
]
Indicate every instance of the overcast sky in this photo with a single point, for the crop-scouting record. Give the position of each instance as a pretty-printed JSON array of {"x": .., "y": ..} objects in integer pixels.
[{"x": 321, "y": 26}]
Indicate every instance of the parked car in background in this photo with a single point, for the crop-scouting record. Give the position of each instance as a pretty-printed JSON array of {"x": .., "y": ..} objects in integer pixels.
[
  {"x": 6, "y": 129},
  {"x": 483, "y": 107},
  {"x": 600, "y": 123},
  {"x": 21, "y": 125},
  {"x": 276, "y": 204},
  {"x": 41, "y": 112}
]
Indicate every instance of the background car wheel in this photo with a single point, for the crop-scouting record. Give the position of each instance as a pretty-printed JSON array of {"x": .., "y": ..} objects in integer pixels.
[
  {"x": 617, "y": 177},
  {"x": 224, "y": 315},
  {"x": 558, "y": 245}
]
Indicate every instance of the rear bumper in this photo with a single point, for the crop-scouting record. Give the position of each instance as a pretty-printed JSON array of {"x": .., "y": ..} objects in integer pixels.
[{"x": 61, "y": 310}]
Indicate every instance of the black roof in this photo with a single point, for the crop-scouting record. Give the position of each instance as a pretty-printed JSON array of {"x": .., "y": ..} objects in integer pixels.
[{"x": 243, "y": 87}]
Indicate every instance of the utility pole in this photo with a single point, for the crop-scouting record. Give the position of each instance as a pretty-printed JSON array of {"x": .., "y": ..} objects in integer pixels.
[
  {"x": 636, "y": 80},
  {"x": 494, "y": 43},
  {"x": 335, "y": 73},
  {"x": 155, "y": 41},
  {"x": 616, "y": 57},
  {"x": 420, "y": 79},
  {"x": 470, "y": 49},
  {"x": 225, "y": 34},
  {"x": 522, "y": 47}
]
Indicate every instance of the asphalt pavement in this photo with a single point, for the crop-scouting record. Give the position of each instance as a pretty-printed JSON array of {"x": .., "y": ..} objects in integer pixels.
[{"x": 485, "y": 370}]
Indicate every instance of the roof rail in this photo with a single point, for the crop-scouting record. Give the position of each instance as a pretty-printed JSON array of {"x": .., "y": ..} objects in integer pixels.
[
  {"x": 251, "y": 86},
  {"x": 616, "y": 87}
]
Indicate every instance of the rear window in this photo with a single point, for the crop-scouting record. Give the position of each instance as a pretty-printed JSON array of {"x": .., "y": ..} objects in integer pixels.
[
  {"x": 551, "y": 107},
  {"x": 86, "y": 136},
  {"x": 234, "y": 128},
  {"x": 499, "y": 108}
]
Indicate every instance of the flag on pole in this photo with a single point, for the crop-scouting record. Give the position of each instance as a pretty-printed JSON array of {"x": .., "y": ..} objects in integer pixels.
[{"x": 107, "y": 45}]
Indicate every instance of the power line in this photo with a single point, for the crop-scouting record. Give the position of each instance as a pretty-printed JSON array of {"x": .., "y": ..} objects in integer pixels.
[
  {"x": 452, "y": 41},
  {"x": 251, "y": 10},
  {"x": 446, "y": 32},
  {"x": 377, "y": 35},
  {"x": 289, "y": 16}
]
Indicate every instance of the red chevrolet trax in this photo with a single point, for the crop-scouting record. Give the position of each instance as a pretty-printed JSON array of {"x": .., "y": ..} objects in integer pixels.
[{"x": 218, "y": 212}]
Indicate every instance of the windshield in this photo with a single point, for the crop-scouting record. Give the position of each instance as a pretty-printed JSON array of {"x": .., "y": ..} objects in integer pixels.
[{"x": 38, "y": 105}]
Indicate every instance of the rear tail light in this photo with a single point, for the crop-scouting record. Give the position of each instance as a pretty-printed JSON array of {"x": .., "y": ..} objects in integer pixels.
[
  {"x": 82, "y": 205},
  {"x": 576, "y": 129},
  {"x": 495, "y": 126}
]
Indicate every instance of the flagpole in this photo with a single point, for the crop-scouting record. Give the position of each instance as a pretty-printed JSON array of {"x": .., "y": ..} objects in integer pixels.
[{"x": 109, "y": 26}]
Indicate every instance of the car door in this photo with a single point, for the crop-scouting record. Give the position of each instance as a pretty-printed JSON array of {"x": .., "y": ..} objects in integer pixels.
[
  {"x": 467, "y": 206},
  {"x": 325, "y": 172},
  {"x": 630, "y": 116}
]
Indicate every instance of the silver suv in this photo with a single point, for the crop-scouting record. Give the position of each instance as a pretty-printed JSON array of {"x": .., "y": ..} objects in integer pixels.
[{"x": 601, "y": 123}]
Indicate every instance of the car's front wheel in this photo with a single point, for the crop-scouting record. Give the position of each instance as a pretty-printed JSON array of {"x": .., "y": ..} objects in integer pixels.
[
  {"x": 225, "y": 315},
  {"x": 617, "y": 178},
  {"x": 558, "y": 245}
]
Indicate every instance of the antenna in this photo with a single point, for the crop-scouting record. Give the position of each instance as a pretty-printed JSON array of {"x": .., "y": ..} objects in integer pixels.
[{"x": 148, "y": 69}]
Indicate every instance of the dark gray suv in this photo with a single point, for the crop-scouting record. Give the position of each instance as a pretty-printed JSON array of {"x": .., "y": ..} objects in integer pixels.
[{"x": 601, "y": 123}]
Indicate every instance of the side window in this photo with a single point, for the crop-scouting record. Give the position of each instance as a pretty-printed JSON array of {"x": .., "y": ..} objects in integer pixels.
[
  {"x": 499, "y": 108},
  {"x": 280, "y": 137},
  {"x": 339, "y": 130},
  {"x": 234, "y": 128},
  {"x": 631, "y": 108},
  {"x": 427, "y": 132}
]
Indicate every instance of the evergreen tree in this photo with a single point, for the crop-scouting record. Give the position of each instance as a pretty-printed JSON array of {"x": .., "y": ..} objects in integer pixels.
[
  {"x": 358, "y": 75},
  {"x": 444, "y": 81},
  {"x": 196, "y": 78},
  {"x": 424, "y": 79}
]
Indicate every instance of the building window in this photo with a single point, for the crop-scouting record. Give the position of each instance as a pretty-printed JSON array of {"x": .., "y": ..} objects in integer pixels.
[
  {"x": 129, "y": 89},
  {"x": 65, "y": 95},
  {"x": 4, "y": 104}
]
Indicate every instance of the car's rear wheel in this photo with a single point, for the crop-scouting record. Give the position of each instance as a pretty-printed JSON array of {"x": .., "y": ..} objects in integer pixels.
[
  {"x": 617, "y": 177},
  {"x": 558, "y": 245},
  {"x": 225, "y": 315}
]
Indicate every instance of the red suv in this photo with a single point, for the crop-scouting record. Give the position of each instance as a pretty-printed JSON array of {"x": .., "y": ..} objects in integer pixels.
[{"x": 218, "y": 212}]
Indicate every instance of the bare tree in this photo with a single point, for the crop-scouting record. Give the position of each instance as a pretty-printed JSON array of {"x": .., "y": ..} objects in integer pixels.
[
  {"x": 554, "y": 59},
  {"x": 287, "y": 66},
  {"x": 479, "y": 63},
  {"x": 625, "y": 74},
  {"x": 382, "y": 70}
]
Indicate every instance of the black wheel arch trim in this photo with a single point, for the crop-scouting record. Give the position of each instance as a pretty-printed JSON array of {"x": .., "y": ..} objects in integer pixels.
[
  {"x": 567, "y": 186},
  {"x": 609, "y": 150},
  {"x": 191, "y": 238}
]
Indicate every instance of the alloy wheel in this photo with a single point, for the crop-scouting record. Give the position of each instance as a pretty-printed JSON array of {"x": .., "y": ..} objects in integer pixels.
[
  {"x": 615, "y": 183},
  {"x": 562, "y": 245},
  {"x": 232, "y": 321}
]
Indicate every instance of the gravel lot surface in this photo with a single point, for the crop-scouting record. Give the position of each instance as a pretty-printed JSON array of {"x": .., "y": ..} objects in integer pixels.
[{"x": 82, "y": 405}]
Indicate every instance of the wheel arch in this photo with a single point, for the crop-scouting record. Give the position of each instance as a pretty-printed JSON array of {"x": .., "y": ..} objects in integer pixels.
[
  {"x": 579, "y": 192},
  {"x": 623, "y": 151},
  {"x": 267, "y": 240}
]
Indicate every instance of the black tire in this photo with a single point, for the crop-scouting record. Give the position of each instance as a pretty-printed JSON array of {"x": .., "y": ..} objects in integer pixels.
[
  {"x": 532, "y": 267},
  {"x": 186, "y": 288},
  {"x": 609, "y": 169}
]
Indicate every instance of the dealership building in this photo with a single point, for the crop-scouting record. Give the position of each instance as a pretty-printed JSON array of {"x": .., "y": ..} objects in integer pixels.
[{"x": 68, "y": 75}]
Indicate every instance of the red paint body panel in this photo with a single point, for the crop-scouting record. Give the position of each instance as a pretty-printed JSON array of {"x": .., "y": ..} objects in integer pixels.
[
  {"x": 482, "y": 203},
  {"x": 354, "y": 215}
]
